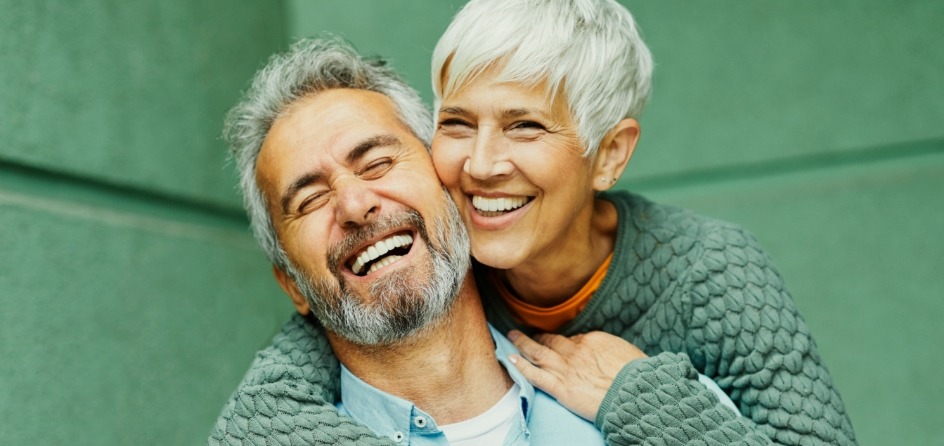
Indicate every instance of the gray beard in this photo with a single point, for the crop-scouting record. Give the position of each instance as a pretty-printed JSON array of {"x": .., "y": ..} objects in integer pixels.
[{"x": 399, "y": 305}]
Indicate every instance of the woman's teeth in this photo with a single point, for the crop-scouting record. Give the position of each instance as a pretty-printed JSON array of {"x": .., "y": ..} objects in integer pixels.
[
  {"x": 378, "y": 250},
  {"x": 503, "y": 204}
]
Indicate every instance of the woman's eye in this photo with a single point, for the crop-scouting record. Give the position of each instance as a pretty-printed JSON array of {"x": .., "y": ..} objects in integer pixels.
[
  {"x": 526, "y": 125},
  {"x": 454, "y": 125},
  {"x": 452, "y": 122},
  {"x": 455, "y": 128}
]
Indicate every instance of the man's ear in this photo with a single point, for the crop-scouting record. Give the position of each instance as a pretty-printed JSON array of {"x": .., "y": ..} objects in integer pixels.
[
  {"x": 288, "y": 285},
  {"x": 616, "y": 149}
]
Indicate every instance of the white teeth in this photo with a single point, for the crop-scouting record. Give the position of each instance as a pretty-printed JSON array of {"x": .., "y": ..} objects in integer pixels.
[
  {"x": 498, "y": 204},
  {"x": 379, "y": 249},
  {"x": 383, "y": 262}
]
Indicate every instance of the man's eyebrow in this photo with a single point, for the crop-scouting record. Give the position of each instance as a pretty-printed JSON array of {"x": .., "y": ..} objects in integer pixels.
[
  {"x": 299, "y": 184},
  {"x": 371, "y": 143}
]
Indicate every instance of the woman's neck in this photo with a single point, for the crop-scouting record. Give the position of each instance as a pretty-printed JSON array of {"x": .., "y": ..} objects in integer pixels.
[{"x": 551, "y": 278}]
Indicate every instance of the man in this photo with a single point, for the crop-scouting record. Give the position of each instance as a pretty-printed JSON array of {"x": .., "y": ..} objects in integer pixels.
[{"x": 344, "y": 199}]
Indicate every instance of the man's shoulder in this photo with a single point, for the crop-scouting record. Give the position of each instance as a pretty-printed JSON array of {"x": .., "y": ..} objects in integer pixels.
[
  {"x": 299, "y": 352},
  {"x": 290, "y": 383}
]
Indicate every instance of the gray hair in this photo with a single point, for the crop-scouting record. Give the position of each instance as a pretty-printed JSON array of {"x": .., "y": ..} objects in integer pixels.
[
  {"x": 309, "y": 67},
  {"x": 591, "y": 47}
]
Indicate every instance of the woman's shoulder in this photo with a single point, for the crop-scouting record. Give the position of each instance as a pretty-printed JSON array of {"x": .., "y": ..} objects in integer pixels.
[{"x": 641, "y": 218}]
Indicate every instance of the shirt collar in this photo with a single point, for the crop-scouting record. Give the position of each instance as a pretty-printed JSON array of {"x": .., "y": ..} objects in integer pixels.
[
  {"x": 504, "y": 348},
  {"x": 392, "y": 416}
]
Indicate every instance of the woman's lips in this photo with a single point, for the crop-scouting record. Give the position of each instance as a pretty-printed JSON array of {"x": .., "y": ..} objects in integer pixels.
[{"x": 495, "y": 213}]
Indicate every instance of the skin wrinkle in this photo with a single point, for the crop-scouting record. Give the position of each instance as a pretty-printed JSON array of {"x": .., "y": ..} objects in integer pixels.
[{"x": 562, "y": 222}]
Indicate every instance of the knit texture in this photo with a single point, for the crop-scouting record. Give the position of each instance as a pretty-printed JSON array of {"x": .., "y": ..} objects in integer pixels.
[
  {"x": 696, "y": 294},
  {"x": 688, "y": 284},
  {"x": 287, "y": 396}
]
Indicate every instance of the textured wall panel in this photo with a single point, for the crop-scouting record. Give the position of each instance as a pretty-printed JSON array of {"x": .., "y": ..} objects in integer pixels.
[
  {"x": 130, "y": 93},
  {"x": 740, "y": 82},
  {"x": 123, "y": 327}
]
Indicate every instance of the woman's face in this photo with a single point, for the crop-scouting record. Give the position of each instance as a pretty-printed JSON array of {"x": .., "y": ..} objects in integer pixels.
[{"x": 513, "y": 162}]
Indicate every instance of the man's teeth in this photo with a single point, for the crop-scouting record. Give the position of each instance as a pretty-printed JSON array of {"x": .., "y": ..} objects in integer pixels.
[
  {"x": 383, "y": 262},
  {"x": 379, "y": 249},
  {"x": 498, "y": 204}
]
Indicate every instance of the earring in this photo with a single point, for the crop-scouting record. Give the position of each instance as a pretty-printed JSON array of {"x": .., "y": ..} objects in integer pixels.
[{"x": 606, "y": 180}]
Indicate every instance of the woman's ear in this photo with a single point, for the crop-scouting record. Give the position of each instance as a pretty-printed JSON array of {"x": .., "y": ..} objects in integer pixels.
[
  {"x": 288, "y": 285},
  {"x": 616, "y": 149}
]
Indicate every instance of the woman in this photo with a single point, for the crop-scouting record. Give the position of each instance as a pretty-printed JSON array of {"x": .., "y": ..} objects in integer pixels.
[
  {"x": 536, "y": 116},
  {"x": 536, "y": 105}
]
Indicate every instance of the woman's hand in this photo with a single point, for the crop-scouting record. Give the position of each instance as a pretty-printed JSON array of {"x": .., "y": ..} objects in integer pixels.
[{"x": 578, "y": 370}]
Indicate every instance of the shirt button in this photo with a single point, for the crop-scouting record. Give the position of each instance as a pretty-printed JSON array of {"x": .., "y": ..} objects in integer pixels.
[
  {"x": 420, "y": 421},
  {"x": 398, "y": 436}
]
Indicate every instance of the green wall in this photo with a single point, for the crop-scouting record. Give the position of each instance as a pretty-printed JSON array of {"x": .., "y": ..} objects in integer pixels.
[{"x": 132, "y": 297}]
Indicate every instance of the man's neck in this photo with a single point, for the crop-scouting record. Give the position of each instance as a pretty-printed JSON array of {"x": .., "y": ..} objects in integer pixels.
[{"x": 449, "y": 370}]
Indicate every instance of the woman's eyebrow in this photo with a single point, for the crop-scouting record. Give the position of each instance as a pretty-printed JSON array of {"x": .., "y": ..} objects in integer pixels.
[
  {"x": 455, "y": 111},
  {"x": 519, "y": 112}
]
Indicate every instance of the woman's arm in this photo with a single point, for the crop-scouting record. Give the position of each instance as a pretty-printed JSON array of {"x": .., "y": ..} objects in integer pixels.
[
  {"x": 740, "y": 328},
  {"x": 288, "y": 394},
  {"x": 632, "y": 398},
  {"x": 746, "y": 333}
]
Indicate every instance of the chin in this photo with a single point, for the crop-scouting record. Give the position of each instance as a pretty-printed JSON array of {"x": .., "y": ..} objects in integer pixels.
[{"x": 496, "y": 258}]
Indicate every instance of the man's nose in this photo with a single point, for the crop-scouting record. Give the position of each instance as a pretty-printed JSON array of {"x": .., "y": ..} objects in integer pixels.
[
  {"x": 488, "y": 157},
  {"x": 357, "y": 204}
]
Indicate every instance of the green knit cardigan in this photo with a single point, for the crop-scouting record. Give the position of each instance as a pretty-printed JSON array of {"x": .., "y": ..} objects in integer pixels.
[{"x": 696, "y": 294}]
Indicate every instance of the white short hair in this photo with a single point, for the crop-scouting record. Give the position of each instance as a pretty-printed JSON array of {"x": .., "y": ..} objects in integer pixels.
[{"x": 591, "y": 47}]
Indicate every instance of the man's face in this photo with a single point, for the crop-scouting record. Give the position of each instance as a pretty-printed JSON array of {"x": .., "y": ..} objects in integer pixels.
[{"x": 377, "y": 248}]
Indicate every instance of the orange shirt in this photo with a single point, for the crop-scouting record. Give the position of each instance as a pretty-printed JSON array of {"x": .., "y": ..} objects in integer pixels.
[{"x": 552, "y": 318}]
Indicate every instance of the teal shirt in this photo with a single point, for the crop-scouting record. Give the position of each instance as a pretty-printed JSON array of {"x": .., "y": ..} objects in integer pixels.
[{"x": 541, "y": 420}]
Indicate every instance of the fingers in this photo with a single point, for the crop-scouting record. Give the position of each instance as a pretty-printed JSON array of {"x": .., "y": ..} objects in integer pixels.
[
  {"x": 537, "y": 377},
  {"x": 555, "y": 342},
  {"x": 530, "y": 349}
]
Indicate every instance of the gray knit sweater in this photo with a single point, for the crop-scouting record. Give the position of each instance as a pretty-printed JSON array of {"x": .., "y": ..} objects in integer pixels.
[{"x": 697, "y": 295}]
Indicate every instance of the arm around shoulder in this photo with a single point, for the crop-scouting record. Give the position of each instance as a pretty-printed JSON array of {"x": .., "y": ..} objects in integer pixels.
[
  {"x": 288, "y": 394},
  {"x": 659, "y": 399},
  {"x": 746, "y": 333}
]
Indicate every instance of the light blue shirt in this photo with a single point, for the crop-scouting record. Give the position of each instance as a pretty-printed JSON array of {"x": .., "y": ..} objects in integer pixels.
[{"x": 541, "y": 420}]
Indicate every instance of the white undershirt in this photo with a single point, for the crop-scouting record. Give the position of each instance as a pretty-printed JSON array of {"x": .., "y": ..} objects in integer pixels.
[{"x": 491, "y": 427}]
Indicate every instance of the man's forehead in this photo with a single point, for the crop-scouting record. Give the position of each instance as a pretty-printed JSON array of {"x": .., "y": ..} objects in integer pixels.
[
  {"x": 324, "y": 128},
  {"x": 340, "y": 114}
]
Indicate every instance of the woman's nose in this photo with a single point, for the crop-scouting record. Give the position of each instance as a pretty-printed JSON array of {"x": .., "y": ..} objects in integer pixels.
[{"x": 488, "y": 158}]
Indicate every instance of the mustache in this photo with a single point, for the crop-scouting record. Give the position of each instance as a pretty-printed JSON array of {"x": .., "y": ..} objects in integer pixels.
[{"x": 357, "y": 237}]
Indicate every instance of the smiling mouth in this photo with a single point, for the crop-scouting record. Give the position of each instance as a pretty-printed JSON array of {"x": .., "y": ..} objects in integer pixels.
[
  {"x": 380, "y": 254},
  {"x": 495, "y": 207}
]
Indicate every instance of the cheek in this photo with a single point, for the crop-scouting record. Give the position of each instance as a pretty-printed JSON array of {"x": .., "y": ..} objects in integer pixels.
[{"x": 448, "y": 159}]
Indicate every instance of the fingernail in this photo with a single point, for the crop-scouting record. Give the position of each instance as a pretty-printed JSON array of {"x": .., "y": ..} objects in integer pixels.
[
  {"x": 513, "y": 359},
  {"x": 513, "y": 334}
]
